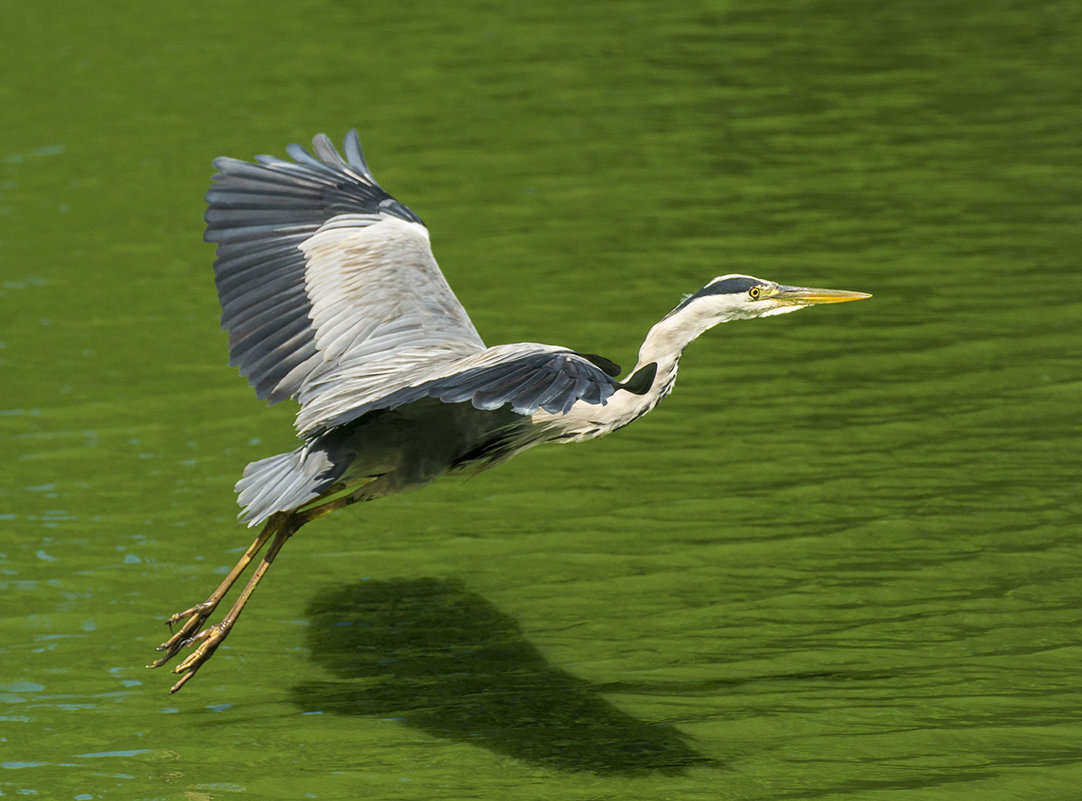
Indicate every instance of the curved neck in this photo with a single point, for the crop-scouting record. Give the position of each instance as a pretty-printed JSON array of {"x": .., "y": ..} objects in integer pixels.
[
  {"x": 660, "y": 355},
  {"x": 663, "y": 346},
  {"x": 665, "y": 342}
]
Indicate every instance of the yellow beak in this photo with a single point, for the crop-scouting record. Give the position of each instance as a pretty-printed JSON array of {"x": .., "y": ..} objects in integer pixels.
[{"x": 806, "y": 296}]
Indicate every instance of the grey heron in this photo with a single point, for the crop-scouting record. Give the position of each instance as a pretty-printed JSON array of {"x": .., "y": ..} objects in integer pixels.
[{"x": 332, "y": 298}]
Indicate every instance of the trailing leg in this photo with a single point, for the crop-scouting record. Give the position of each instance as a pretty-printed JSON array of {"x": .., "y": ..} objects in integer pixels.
[
  {"x": 195, "y": 616},
  {"x": 279, "y": 528},
  {"x": 211, "y": 637}
]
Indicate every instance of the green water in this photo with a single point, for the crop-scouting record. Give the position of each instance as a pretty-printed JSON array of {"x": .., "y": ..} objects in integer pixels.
[{"x": 842, "y": 561}]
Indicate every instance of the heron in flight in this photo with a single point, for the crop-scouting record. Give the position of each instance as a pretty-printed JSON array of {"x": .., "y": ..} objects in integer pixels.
[{"x": 332, "y": 297}]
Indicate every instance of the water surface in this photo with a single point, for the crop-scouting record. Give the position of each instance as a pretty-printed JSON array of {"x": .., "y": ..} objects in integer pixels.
[{"x": 842, "y": 561}]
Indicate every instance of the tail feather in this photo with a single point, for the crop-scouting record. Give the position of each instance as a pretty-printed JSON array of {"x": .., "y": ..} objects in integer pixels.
[{"x": 284, "y": 482}]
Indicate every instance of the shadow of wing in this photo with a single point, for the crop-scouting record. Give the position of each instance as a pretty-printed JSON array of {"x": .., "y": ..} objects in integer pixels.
[{"x": 442, "y": 659}]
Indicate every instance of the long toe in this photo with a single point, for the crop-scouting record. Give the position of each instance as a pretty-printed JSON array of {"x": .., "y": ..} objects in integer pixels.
[
  {"x": 202, "y": 610},
  {"x": 182, "y": 637},
  {"x": 209, "y": 639}
]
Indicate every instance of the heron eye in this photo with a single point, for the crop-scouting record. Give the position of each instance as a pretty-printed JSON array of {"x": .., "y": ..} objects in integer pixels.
[{"x": 754, "y": 293}]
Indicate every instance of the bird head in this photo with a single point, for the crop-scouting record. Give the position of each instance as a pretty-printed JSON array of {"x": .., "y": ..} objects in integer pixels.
[{"x": 743, "y": 297}]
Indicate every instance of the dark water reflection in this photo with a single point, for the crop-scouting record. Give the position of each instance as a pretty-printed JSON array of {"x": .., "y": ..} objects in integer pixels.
[{"x": 444, "y": 660}]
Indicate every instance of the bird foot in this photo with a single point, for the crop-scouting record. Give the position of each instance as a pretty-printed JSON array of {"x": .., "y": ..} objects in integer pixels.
[
  {"x": 193, "y": 618},
  {"x": 204, "y": 609},
  {"x": 208, "y": 639}
]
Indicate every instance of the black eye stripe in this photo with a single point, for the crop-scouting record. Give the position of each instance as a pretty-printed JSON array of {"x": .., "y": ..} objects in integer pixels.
[
  {"x": 736, "y": 285},
  {"x": 729, "y": 286}
]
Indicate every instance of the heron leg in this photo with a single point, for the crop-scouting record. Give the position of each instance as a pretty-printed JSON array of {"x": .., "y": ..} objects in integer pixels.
[
  {"x": 278, "y": 530},
  {"x": 195, "y": 616},
  {"x": 211, "y": 637}
]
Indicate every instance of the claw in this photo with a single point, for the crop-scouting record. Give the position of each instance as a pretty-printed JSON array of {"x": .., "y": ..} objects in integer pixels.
[
  {"x": 181, "y": 683},
  {"x": 203, "y": 609},
  {"x": 209, "y": 639},
  {"x": 193, "y": 618}
]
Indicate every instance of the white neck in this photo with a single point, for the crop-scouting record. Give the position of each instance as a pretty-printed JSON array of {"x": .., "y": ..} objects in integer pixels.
[
  {"x": 663, "y": 346},
  {"x": 665, "y": 342}
]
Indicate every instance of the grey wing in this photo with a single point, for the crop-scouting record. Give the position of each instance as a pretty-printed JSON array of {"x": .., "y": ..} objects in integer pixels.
[
  {"x": 320, "y": 271},
  {"x": 526, "y": 376}
]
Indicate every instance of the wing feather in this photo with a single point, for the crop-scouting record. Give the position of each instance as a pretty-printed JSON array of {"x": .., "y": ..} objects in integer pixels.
[
  {"x": 331, "y": 296},
  {"x": 526, "y": 376},
  {"x": 288, "y": 330}
]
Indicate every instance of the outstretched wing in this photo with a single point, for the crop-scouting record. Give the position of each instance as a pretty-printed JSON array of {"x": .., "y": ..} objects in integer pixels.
[
  {"x": 331, "y": 296},
  {"x": 319, "y": 269},
  {"x": 526, "y": 376}
]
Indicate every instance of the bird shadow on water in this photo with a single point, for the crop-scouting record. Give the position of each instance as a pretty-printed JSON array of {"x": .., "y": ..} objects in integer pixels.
[{"x": 437, "y": 657}]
